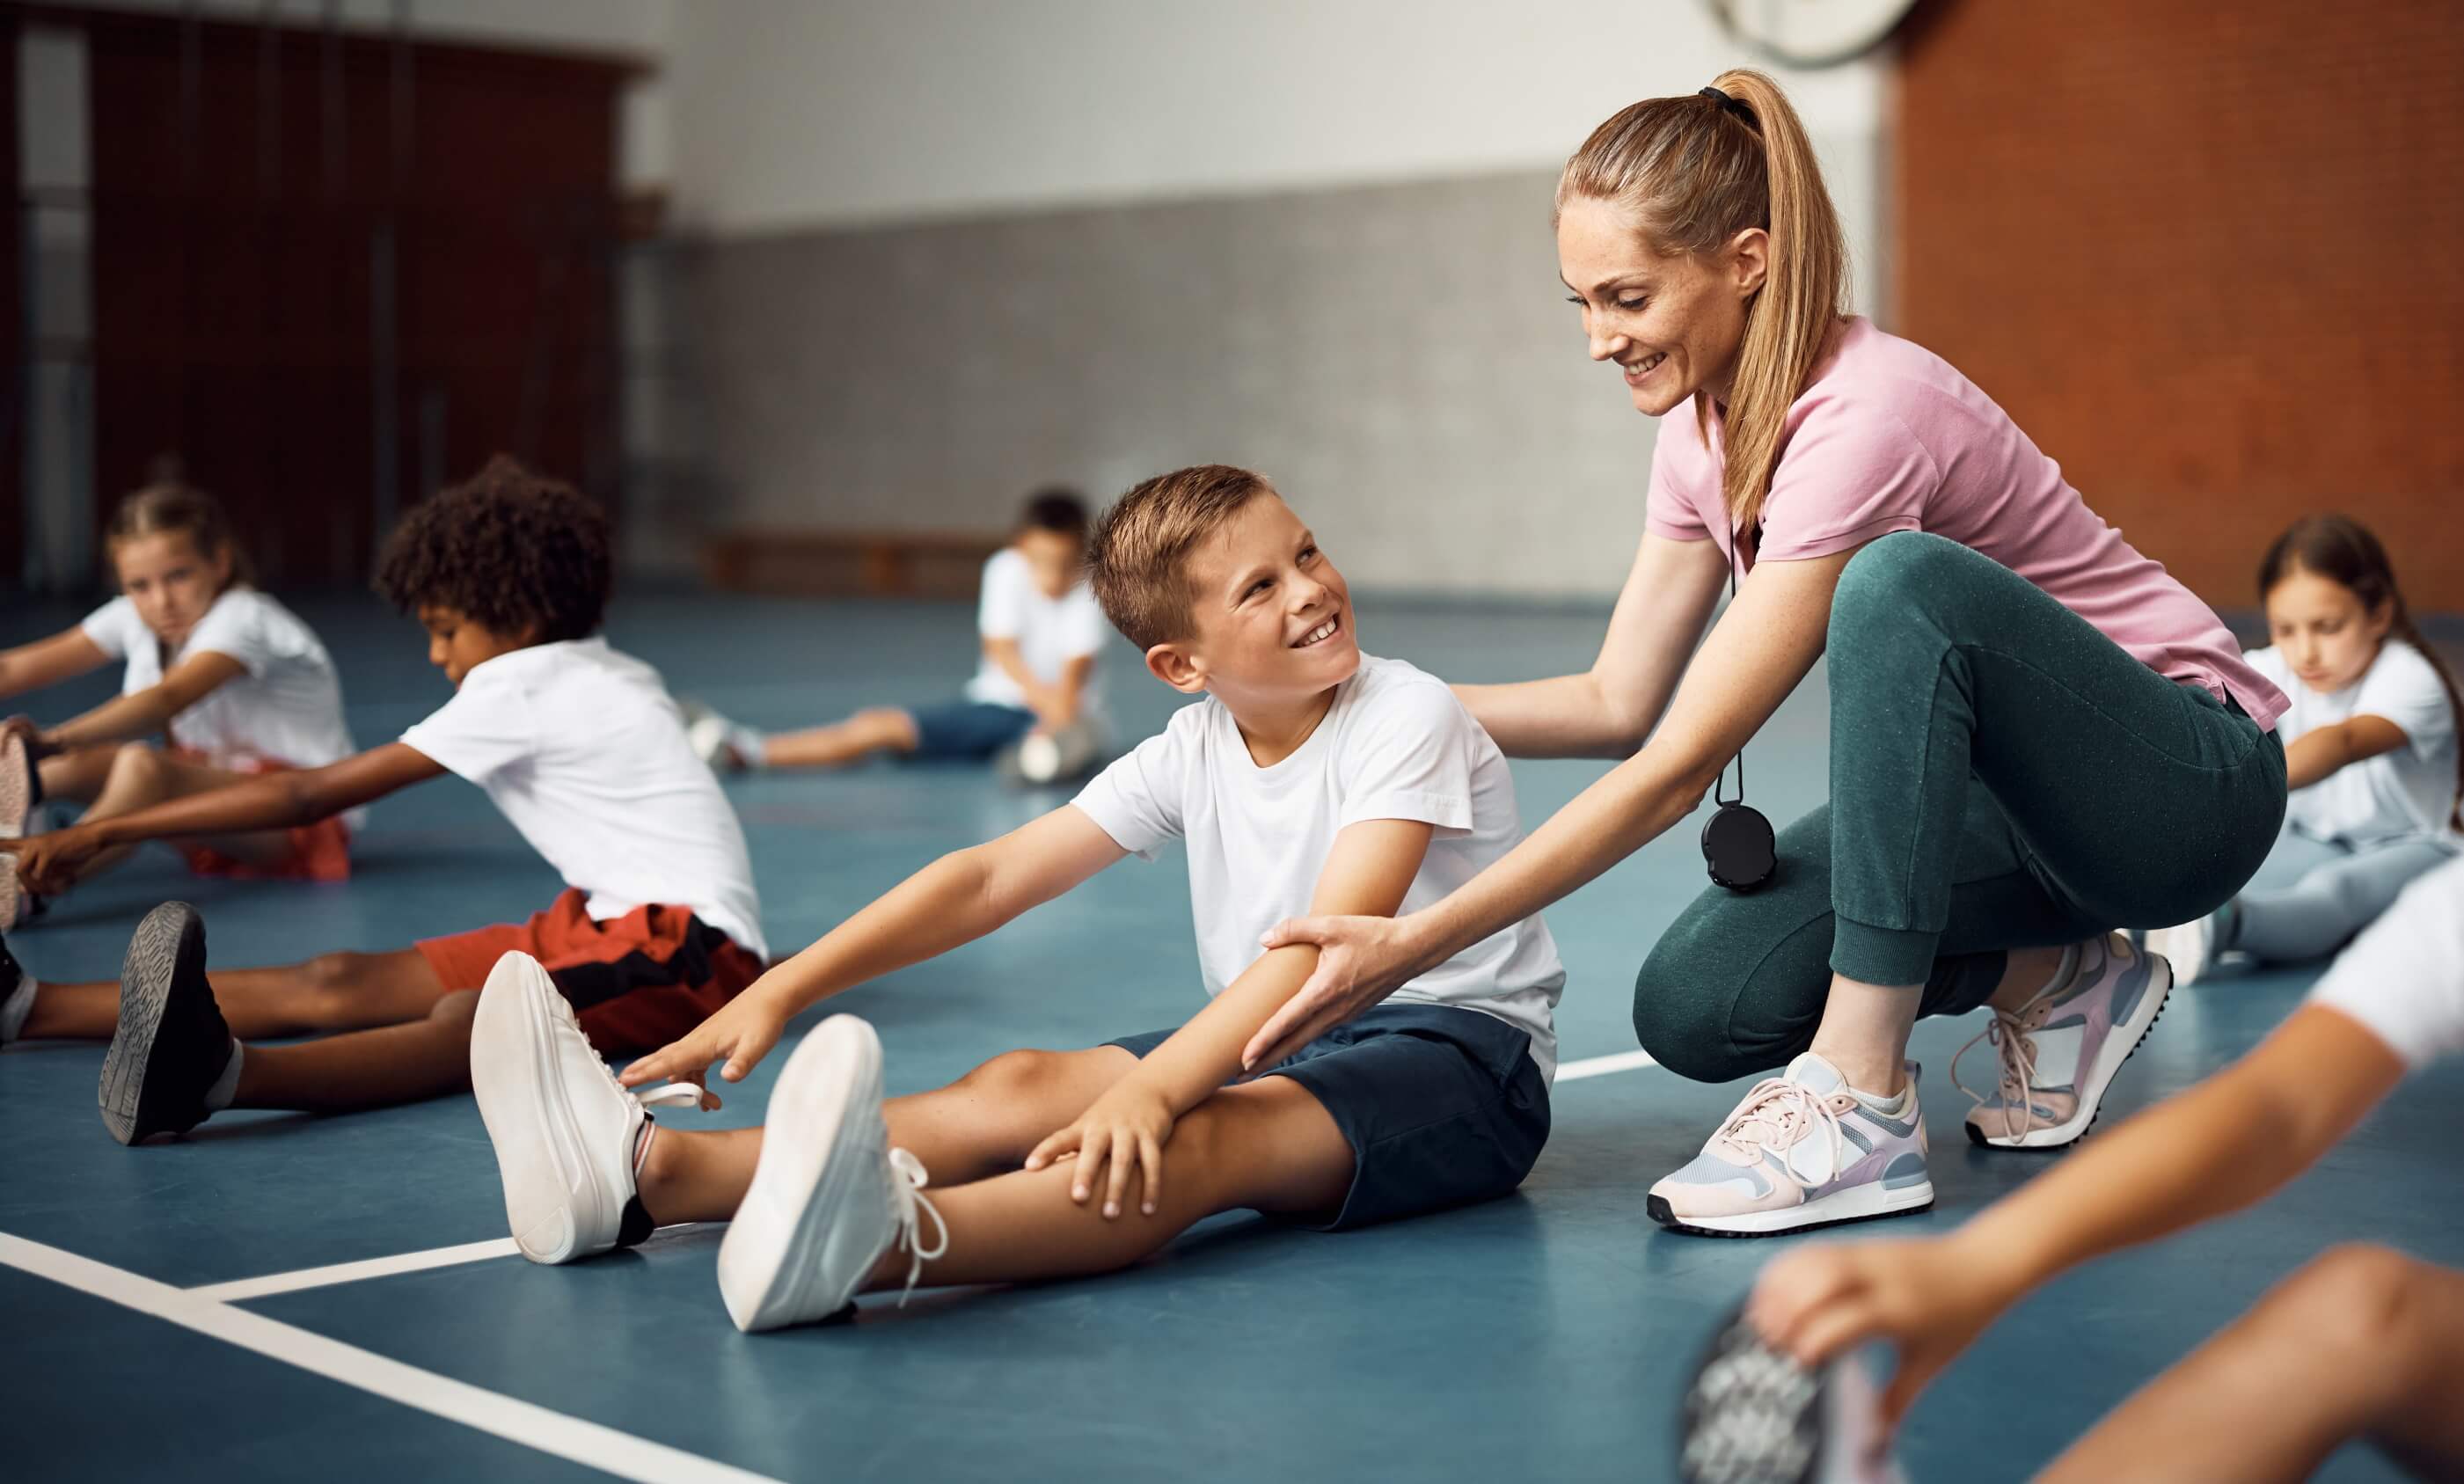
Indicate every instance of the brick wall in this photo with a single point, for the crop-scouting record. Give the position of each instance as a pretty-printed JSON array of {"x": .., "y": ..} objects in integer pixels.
[{"x": 2210, "y": 256}]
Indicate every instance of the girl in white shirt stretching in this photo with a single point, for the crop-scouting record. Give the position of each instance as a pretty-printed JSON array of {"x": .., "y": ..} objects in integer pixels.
[
  {"x": 230, "y": 680},
  {"x": 2369, "y": 749}
]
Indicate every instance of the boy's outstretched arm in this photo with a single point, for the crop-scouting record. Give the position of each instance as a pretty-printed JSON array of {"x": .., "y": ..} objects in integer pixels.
[
  {"x": 1367, "y": 874},
  {"x": 49, "y": 862},
  {"x": 1055, "y": 705},
  {"x": 950, "y": 902}
]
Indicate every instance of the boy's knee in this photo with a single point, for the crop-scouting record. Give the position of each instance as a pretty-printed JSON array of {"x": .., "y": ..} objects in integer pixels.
[
  {"x": 456, "y": 1009},
  {"x": 2350, "y": 1299},
  {"x": 1013, "y": 1075}
]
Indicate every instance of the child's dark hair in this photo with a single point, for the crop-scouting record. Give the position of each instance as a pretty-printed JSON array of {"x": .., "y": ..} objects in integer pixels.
[
  {"x": 169, "y": 507},
  {"x": 2343, "y": 551},
  {"x": 509, "y": 549},
  {"x": 1057, "y": 508}
]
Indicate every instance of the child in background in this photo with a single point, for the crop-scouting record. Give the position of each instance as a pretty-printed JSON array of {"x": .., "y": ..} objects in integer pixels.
[
  {"x": 579, "y": 745},
  {"x": 239, "y": 684},
  {"x": 2370, "y": 753},
  {"x": 1041, "y": 632},
  {"x": 2363, "y": 1342},
  {"x": 1310, "y": 778}
]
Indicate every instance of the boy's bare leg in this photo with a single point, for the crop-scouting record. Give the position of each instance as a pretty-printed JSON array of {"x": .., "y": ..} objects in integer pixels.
[
  {"x": 851, "y": 741},
  {"x": 367, "y": 1068},
  {"x": 336, "y": 991},
  {"x": 984, "y": 1124},
  {"x": 2363, "y": 1342},
  {"x": 1266, "y": 1145}
]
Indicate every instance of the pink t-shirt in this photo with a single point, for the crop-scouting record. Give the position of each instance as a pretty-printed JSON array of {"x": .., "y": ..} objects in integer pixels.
[{"x": 1889, "y": 437}]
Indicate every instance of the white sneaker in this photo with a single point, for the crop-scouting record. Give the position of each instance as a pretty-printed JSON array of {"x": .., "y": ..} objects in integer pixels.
[
  {"x": 829, "y": 1194},
  {"x": 2190, "y": 948},
  {"x": 563, "y": 1127}
]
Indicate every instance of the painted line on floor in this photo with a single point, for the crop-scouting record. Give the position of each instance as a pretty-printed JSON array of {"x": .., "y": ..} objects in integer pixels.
[
  {"x": 533, "y": 1426},
  {"x": 354, "y": 1271},
  {"x": 1602, "y": 1066}
]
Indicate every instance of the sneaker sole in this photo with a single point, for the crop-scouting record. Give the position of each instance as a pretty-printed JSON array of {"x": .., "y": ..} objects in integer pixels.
[
  {"x": 2119, "y": 1048},
  {"x": 16, "y": 800},
  {"x": 514, "y": 1076},
  {"x": 1859, "y": 1202},
  {"x": 768, "y": 1261},
  {"x": 145, "y": 978}
]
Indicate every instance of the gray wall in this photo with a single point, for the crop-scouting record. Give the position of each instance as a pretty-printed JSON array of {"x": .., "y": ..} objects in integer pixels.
[{"x": 1398, "y": 358}]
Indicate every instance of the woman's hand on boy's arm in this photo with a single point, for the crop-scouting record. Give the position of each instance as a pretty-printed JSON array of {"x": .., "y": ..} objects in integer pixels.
[{"x": 1368, "y": 871}]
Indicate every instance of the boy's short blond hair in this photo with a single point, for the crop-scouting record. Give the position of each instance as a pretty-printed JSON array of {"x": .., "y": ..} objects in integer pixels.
[{"x": 1139, "y": 559}]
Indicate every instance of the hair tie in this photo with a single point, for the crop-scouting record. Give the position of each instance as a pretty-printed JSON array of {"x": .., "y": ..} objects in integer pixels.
[{"x": 1731, "y": 106}]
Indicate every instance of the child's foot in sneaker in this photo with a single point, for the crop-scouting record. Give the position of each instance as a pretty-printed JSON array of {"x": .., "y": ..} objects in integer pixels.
[
  {"x": 17, "y": 989},
  {"x": 2059, "y": 1051},
  {"x": 19, "y": 792},
  {"x": 1754, "y": 1416},
  {"x": 566, "y": 1135},
  {"x": 172, "y": 1061},
  {"x": 1802, "y": 1150},
  {"x": 829, "y": 1196},
  {"x": 2194, "y": 947}
]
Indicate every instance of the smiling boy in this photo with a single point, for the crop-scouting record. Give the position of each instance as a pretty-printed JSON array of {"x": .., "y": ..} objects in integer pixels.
[
  {"x": 579, "y": 745},
  {"x": 1308, "y": 777}
]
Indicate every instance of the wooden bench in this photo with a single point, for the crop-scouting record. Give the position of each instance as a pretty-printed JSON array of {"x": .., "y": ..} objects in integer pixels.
[{"x": 849, "y": 564}]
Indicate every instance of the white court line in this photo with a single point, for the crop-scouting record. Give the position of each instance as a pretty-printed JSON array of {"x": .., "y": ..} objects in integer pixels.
[
  {"x": 353, "y": 1272},
  {"x": 240, "y": 1289},
  {"x": 587, "y": 1442},
  {"x": 1602, "y": 1066}
]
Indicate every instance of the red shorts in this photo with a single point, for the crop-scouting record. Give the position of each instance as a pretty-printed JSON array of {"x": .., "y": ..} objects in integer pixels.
[
  {"x": 321, "y": 852},
  {"x": 637, "y": 982}
]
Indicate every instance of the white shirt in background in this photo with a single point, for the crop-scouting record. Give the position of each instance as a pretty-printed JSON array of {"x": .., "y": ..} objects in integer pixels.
[
  {"x": 285, "y": 706},
  {"x": 2402, "y": 978},
  {"x": 1050, "y": 633},
  {"x": 1396, "y": 744},
  {"x": 2408, "y": 791},
  {"x": 582, "y": 749}
]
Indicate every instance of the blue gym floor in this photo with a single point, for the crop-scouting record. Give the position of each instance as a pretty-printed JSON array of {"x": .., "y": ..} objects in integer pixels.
[{"x": 1539, "y": 1337}]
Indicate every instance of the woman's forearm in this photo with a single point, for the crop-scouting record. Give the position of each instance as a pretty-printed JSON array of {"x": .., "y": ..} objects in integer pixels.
[
  {"x": 1625, "y": 810},
  {"x": 1562, "y": 716}
]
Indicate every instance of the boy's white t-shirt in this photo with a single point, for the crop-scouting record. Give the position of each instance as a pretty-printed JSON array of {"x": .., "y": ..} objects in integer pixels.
[
  {"x": 2410, "y": 792},
  {"x": 286, "y": 705},
  {"x": 2402, "y": 978},
  {"x": 1396, "y": 744},
  {"x": 584, "y": 751},
  {"x": 1050, "y": 632}
]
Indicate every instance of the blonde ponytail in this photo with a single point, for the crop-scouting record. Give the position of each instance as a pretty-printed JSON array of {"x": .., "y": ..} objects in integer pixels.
[{"x": 1695, "y": 174}]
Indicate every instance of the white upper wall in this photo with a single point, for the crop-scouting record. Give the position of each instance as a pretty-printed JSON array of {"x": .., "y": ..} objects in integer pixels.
[{"x": 801, "y": 113}]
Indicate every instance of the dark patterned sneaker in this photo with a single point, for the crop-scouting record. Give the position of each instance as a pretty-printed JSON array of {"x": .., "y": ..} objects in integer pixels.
[
  {"x": 172, "y": 1045},
  {"x": 1754, "y": 1416}
]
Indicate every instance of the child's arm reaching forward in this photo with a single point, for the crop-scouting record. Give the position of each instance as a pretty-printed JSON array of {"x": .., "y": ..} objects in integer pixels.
[
  {"x": 1367, "y": 872},
  {"x": 140, "y": 712},
  {"x": 950, "y": 902},
  {"x": 67, "y": 654},
  {"x": 2319, "y": 754},
  {"x": 1055, "y": 705}
]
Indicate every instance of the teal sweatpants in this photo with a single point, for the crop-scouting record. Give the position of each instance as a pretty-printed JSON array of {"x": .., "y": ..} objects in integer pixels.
[{"x": 2002, "y": 776}]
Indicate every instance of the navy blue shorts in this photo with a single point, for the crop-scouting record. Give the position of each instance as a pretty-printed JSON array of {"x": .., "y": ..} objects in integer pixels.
[
  {"x": 1442, "y": 1107},
  {"x": 967, "y": 729}
]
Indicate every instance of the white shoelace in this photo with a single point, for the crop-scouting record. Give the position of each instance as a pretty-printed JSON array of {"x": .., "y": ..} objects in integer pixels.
[
  {"x": 1788, "y": 1108},
  {"x": 908, "y": 1192},
  {"x": 666, "y": 1095},
  {"x": 2018, "y": 1077}
]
